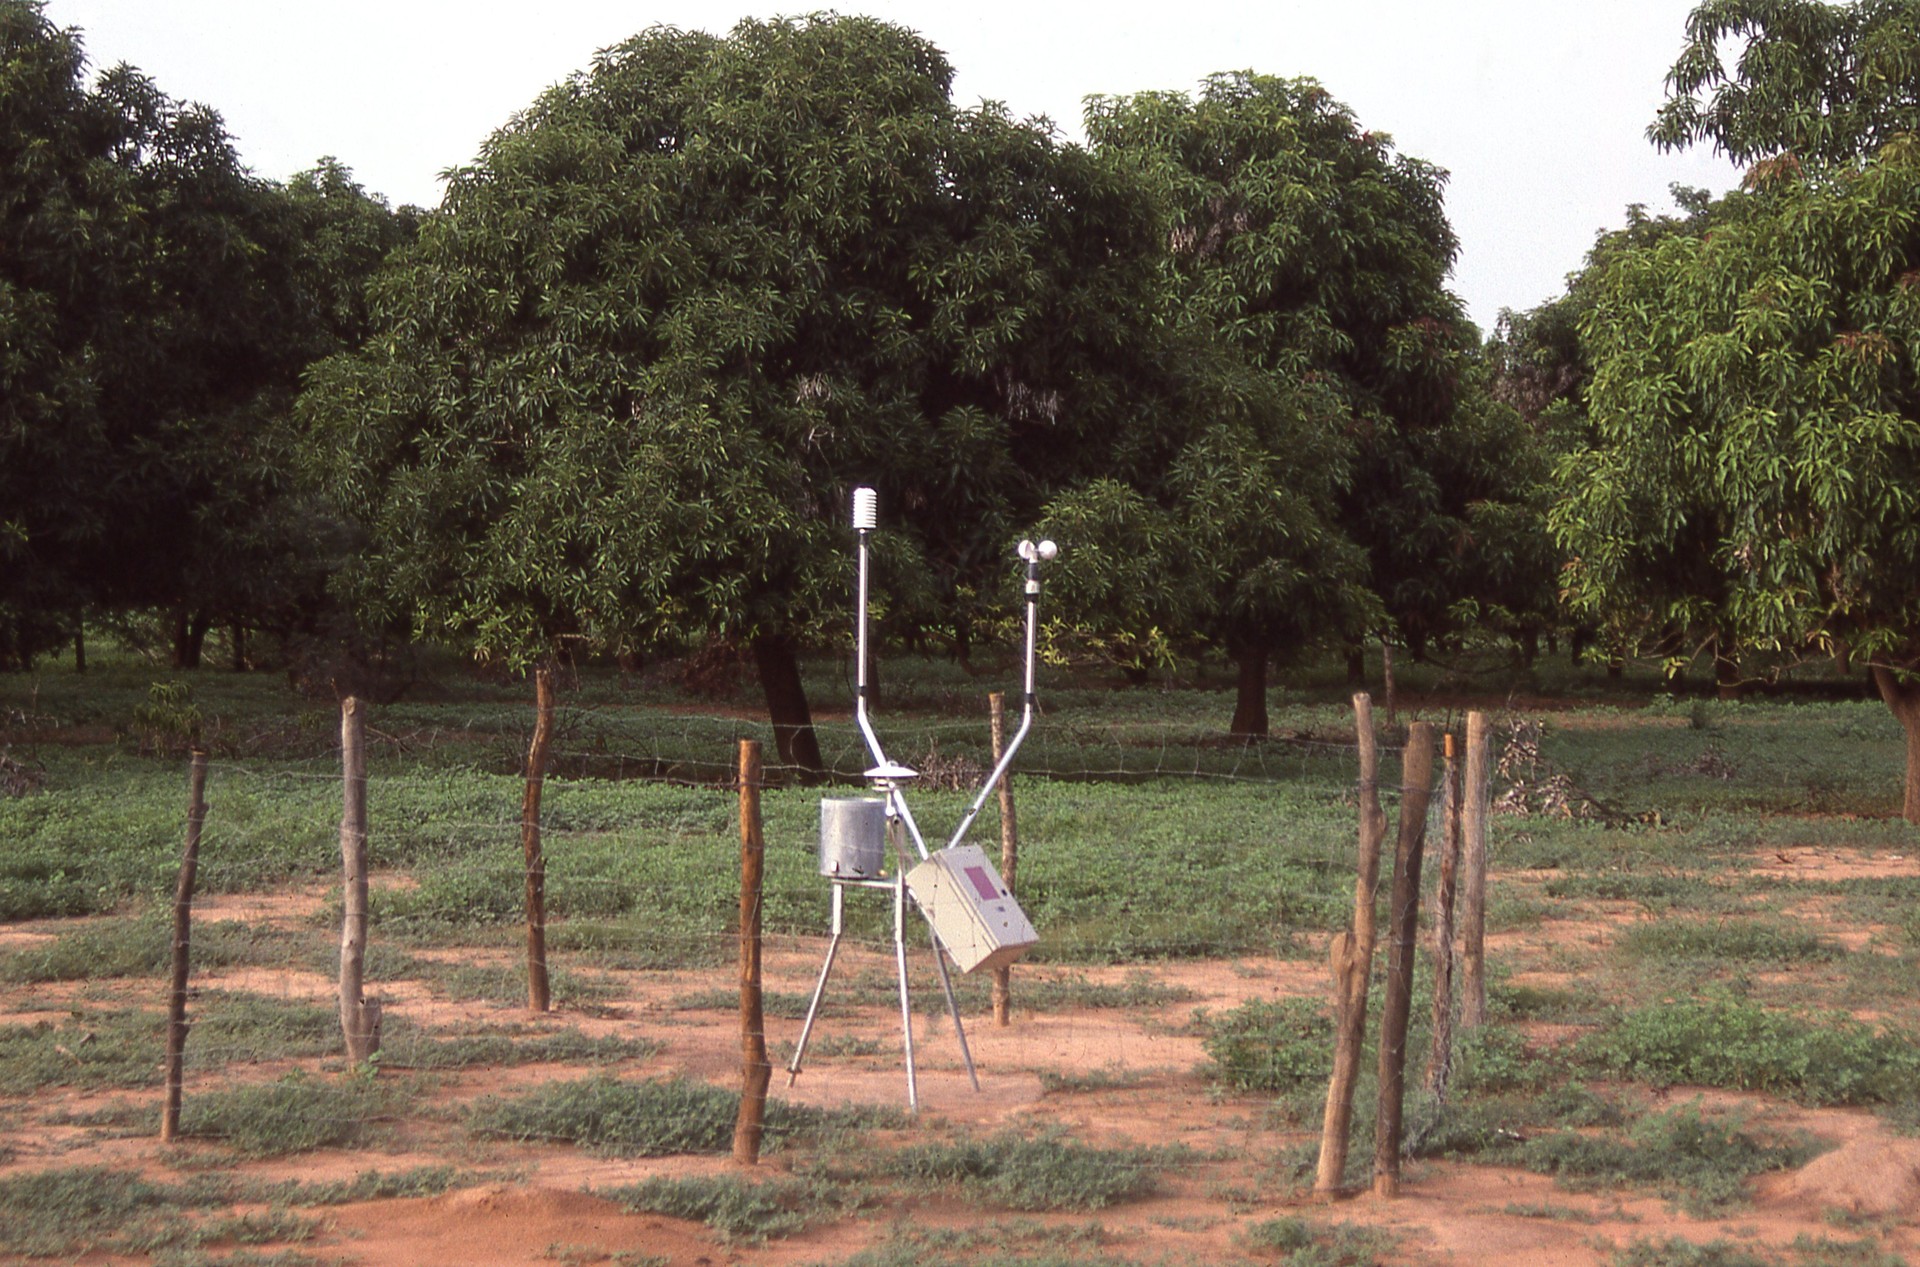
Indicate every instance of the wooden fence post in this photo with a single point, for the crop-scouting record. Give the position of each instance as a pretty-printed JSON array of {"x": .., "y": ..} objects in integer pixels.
[
  {"x": 1440, "y": 1050},
  {"x": 1352, "y": 961},
  {"x": 182, "y": 942},
  {"x": 359, "y": 1018},
  {"x": 1009, "y": 851},
  {"x": 1474, "y": 797},
  {"x": 755, "y": 1071},
  {"x": 1416, "y": 788},
  {"x": 539, "y": 991}
]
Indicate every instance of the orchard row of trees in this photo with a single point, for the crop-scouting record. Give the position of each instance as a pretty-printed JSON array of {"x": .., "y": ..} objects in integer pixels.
[
  {"x": 612, "y": 394},
  {"x": 158, "y": 305}
]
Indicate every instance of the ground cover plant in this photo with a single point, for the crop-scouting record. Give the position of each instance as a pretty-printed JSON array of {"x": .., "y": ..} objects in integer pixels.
[{"x": 1728, "y": 915}]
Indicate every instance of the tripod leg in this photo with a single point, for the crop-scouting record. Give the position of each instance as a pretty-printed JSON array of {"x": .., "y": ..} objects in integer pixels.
[
  {"x": 819, "y": 989},
  {"x": 900, "y": 963},
  {"x": 953, "y": 1005}
]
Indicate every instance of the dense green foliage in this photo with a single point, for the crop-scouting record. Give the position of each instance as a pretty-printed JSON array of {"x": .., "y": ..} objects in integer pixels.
[
  {"x": 157, "y": 306},
  {"x": 1755, "y": 440},
  {"x": 1340, "y": 438},
  {"x": 1817, "y": 81},
  {"x": 618, "y": 394}
]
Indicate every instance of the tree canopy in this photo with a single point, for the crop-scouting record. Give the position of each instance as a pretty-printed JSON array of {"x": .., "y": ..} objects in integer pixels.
[
  {"x": 1323, "y": 473},
  {"x": 618, "y": 391},
  {"x": 1824, "y": 83},
  {"x": 157, "y": 303},
  {"x": 1755, "y": 415}
]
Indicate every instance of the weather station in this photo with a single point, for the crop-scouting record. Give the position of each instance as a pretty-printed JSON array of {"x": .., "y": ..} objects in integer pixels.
[{"x": 970, "y": 914}]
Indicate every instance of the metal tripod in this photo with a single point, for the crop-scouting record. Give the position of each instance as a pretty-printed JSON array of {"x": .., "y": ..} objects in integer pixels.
[{"x": 886, "y": 779}]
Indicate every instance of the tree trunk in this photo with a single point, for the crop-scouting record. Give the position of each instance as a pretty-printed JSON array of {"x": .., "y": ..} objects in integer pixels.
[
  {"x": 359, "y": 1015},
  {"x": 182, "y": 947},
  {"x": 239, "y": 632},
  {"x": 787, "y": 709},
  {"x": 1473, "y": 879},
  {"x": 79, "y": 650},
  {"x": 1726, "y": 672},
  {"x": 1391, "y": 695},
  {"x": 755, "y": 1071},
  {"x": 1439, "y": 1078},
  {"x": 1009, "y": 848},
  {"x": 539, "y": 993},
  {"x": 189, "y": 637},
  {"x": 1357, "y": 667},
  {"x": 1351, "y": 958},
  {"x": 1403, "y": 914},
  {"x": 1903, "y": 697},
  {"x": 1250, "y": 702}
]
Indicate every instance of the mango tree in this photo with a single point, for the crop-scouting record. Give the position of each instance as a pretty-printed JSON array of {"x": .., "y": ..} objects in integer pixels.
[
  {"x": 1756, "y": 414},
  {"x": 1318, "y": 486},
  {"x": 618, "y": 393}
]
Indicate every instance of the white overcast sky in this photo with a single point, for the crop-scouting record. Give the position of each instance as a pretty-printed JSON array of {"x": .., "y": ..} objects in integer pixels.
[{"x": 1538, "y": 108}]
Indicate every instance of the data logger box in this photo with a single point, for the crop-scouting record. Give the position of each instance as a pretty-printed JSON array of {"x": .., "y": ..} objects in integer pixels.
[{"x": 972, "y": 912}]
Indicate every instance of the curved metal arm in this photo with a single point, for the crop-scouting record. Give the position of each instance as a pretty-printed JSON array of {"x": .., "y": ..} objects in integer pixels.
[{"x": 1032, "y": 554}]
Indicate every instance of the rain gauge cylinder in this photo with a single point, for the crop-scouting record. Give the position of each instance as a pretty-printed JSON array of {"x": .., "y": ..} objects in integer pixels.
[{"x": 853, "y": 837}]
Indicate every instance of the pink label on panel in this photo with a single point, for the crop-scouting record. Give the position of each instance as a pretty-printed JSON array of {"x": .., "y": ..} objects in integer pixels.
[{"x": 983, "y": 883}]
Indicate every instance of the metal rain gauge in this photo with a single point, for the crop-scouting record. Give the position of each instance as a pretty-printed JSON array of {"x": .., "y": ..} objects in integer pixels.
[{"x": 969, "y": 912}]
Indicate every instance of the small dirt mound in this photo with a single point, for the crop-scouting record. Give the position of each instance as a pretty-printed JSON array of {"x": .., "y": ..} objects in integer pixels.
[{"x": 1864, "y": 1176}]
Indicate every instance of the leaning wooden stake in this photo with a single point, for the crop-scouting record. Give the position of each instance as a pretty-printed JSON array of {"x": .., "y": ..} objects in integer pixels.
[
  {"x": 1403, "y": 913},
  {"x": 1009, "y": 851},
  {"x": 1352, "y": 961},
  {"x": 182, "y": 941},
  {"x": 539, "y": 993},
  {"x": 359, "y": 1017},
  {"x": 1440, "y": 1051},
  {"x": 755, "y": 1071},
  {"x": 1474, "y": 795}
]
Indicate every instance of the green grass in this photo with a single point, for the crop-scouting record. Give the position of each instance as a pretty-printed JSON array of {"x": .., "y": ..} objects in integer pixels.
[
  {"x": 297, "y": 1113},
  {"x": 82, "y": 1211},
  {"x": 1295, "y": 1242},
  {"x": 138, "y": 946},
  {"x": 654, "y": 1118},
  {"x": 404, "y": 1045},
  {"x": 1721, "y": 1041},
  {"x": 1749, "y": 939},
  {"x": 76, "y": 1211},
  {"x": 86, "y": 1049},
  {"x": 1016, "y": 1172},
  {"x": 1284, "y": 1046},
  {"x": 1701, "y": 1164},
  {"x": 741, "y": 1209}
]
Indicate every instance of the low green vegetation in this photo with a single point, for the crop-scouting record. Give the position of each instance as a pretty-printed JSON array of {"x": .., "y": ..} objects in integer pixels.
[
  {"x": 297, "y": 1113},
  {"x": 137, "y": 946},
  {"x": 1295, "y": 1242},
  {"x": 1701, "y": 1164},
  {"x": 1018, "y": 1172},
  {"x": 652, "y": 1118},
  {"x": 1722, "y": 1041},
  {"x": 84, "y": 1211},
  {"x": 1284, "y": 1046},
  {"x": 1732, "y": 939},
  {"x": 740, "y": 1209}
]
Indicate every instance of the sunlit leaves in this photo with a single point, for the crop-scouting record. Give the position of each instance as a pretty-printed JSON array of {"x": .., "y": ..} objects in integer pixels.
[{"x": 1757, "y": 420}]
